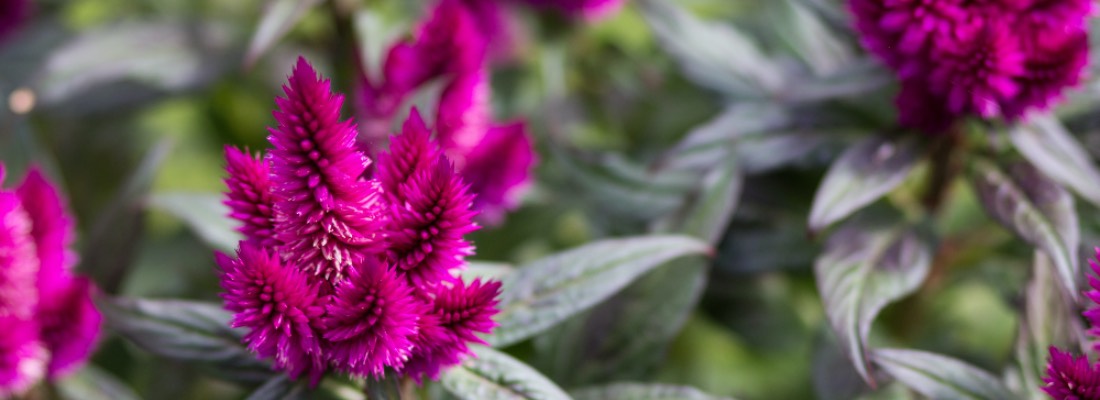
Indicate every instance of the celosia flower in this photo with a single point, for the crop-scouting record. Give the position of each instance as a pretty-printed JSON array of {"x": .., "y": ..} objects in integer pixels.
[
  {"x": 322, "y": 208},
  {"x": 371, "y": 321},
  {"x": 589, "y": 9},
  {"x": 982, "y": 58},
  {"x": 449, "y": 42},
  {"x": 249, "y": 198},
  {"x": 52, "y": 324},
  {"x": 13, "y": 14},
  {"x": 280, "y": 307},
  {"x": 458, "y": 313},
  {"x": 388, "y": 246},
  {"x": 1071, "y": 378}
]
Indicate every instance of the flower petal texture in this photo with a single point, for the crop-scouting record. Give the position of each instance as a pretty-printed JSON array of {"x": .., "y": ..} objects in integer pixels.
[
  {"x": 22, "y": 357},
  {"x": 69, "y": 324},
  {"x": 459, "y": 313},
  {"x": 18, "y": 261},
  {"x": 249, "y": 199},
  {"x": 1071, "y": 378}
]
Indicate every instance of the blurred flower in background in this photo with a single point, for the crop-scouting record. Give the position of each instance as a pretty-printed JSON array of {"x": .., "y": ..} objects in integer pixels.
[
  {"x": 13, "y": 14},
  {"x": 985, "y": 59},
  {"x": 344, "y": 272},
  {"x": 50, "y": 324}
]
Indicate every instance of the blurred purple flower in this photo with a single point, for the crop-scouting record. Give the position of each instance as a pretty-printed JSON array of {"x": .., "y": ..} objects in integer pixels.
[
  {"x": 448, "y": 42},
  {"x": 980, "y": 58},
  {"x": 48, "y": 312},
  {"x": 588, "y": 9},
  {"x": 13, "y": 14},
  {"x": 323, "y": 211},
  {"x": 1071, "y": 378},
  {"x": 351, "y": 281}
]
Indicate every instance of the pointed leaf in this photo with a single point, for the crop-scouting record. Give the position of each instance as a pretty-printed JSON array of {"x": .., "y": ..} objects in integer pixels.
[
  {"x": 186, "y": 331},
  {"x": 92, "y": 383},
  {"x": 940, "y": 377},
  {"x": 1047, "y": 144},
  {"x": 1048, "y": 320},
  {"x": 387, "y": 388},
  {"x": 643, "y": 391},
  {"x": 545, "y": 292},
  {"x": 493, "y": 375},
  {"x": 280, "y": 387},
  {"x": 861, "y": 271},
  {"x": 204, "y": 214},
  {"x": 277, "y": 19},
  {"x": 710, "y": 213},
  {"x": 864, "y": 173},
  {"x": 815, "y": 43},
  {"x": 712, "y": 141},
  {"x": 1036, "y": 209}
]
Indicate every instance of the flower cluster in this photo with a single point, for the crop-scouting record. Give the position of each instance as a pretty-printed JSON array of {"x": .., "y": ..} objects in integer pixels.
[
  {"x": 455, "y": 44},
  {"x": 50, "y": 323},
  {"x": 1069, "y": 377},
  {"x": 345, "y": 267},
  {"x": 982, "y": 58}
]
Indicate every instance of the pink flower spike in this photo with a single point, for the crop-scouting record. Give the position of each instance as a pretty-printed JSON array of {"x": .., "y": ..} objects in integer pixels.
[
  {"x": 459, "y": 313},
  {"x": 371, "y": 321},
  {"x": 976, "y": 70},
  {"x": 22, "y": 357},
  {"x": 449, "y": 42},
  {"x": 410, "y": 152},
  {"x": 249, "y": 198},
  {"x": 464, "y": 114},
  {"x": 325, "y": 216},
  {"x": 1071, "y": 378},
  {"x": 278, "y": 305},
  {"x": 51, "y": 228},
  {"x": 499, "y": 169},
  {"x": 425, "y": 233},
  {"x": 69, "y": 324},
  {"x": 18, "y": 262}
]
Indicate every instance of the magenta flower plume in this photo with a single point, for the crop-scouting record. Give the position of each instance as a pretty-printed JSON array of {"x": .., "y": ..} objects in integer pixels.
[
  {"x": 901, "y": 32},
  {"x": 18, "y": 262},
  {"x": 499, "y": 170},
  {"x": 22, "y": 357},
  {"x": 249, "y": 199},
  {"x": 371, "y": 321},
  {"x": 1054, "y": 62},
  {"x": 1071, "y": 378},
  {"x": 464, "y": 115},
  {"x": 324, "y": 214},
  {"x": 410, "y": 152},
  {"x": 449, "y": 42},
  {"x": 458, "y": 313},
  {"x": 279, "y": 306},
  {"x": 588, "y": 9},
  {"x": 976, "y": 70},
  {"x": 425, "y": 233},
  {"x": 69, "y": 324}
]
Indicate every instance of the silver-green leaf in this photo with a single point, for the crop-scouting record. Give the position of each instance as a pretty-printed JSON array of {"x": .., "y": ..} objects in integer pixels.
[
  {"x": 940, "y": 377},
  {"x": 204, "y": 214},
  {"x": 861, "y": 271},
  {"x": 1047, "y": 144},
  {"x": 643, "y": 391},
  {"x": 493, "y": 375},
  {"x": 547, "y": 291},
  {"x": 276, "y": 21}
]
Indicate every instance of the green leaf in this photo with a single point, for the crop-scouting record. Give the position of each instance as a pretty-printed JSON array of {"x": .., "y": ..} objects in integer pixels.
[
  {"x": 619, "y": 187},
  {"x": 863, "y": 269},
  {"x": 387, "y": 388},
  {"x": 1047, "y": 144},
  {"x": 486, "y": 270},
  {"x": 493, "y": 375},
  {"x": 864, "y": 173},
  {"x": 280, "y": 387},
  {"x": 277, "y": 19},
  {"x": 710, "y": 213},
  {"x": 204, "y": 214},
  {"x": 940, "y": 377},
  {"x": 91, "y": 383},
  {"x": 815, "y": 43},
  {"x": 710, "y": 143},
  {"x": 1036, "y": 209},
  {"x": 642, "y": 391},
  {"x": 547, "y": 291},
  {"x": 1048, "y": 320},
  {"x": 186, "y": 331},
  {"x": 714, "y": 56}
]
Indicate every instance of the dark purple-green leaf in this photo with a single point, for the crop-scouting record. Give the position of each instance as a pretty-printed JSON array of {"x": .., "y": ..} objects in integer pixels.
[
  {"x": 864, "y": 173},
  {"x": 1047, "y": 144},
  {"x": 940, "y": 377}
]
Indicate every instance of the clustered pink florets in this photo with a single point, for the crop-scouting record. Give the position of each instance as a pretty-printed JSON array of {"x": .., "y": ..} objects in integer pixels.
[
  {"x": 49, "y": 322},
  {"x": 1073, "y": 378},
  {"x": 998, "y": 58},
  {"x": 346, "y": 269}
]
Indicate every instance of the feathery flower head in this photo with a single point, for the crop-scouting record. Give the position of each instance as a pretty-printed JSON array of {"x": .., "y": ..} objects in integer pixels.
[
  {"x": 18, "y": 262},
  {"x": 976, "y": 69},
  {"x": 371, "y": 321},
  {"x": 449, "y": 42},
  {"x": 1071, "y": 378},
  {"x": 587, "y": 9},
  {"x": 280, "y": 307},
  {"x": 1054, "y": 61},
  {"x": 323, "y": 211},
  {"x": 409, "y": 152},
  {"x": 52, "y": 228},
  {"x": 22, "y": 357},
  {"x": 458, "y": 313},
  {"x": 249, "y": 199},
  {"x": 901, "y": 32}
]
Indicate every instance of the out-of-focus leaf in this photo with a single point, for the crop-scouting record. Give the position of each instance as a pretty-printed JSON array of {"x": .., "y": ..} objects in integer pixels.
[
  {"x": 642, "y": 391},
  {"x": 277, "y": 19},
  {"x": 863, "y": 269},
  {"x": 853, "y": 80},
  {"x": 493, "y": 375},
  {"x": 185, "y": 331},
  {"x": 1047, "y": 321},
  {"x": 1047, "y": 144},
  {"x": 486, "y": 270},
  {"x": 280, "y": 387},
  {"x": 713, "y": 141},
  {"x": 91, "y": 383},
  {"x": 547, "y": 291},
  {"x": 709, "y": 212},
  {"x": 714, "y": 56},
  {"x": 834, "y": 376},
  {"x": 1036, "y": 209},
  {"x": 766, "y": 152},
  {"x": 161, "y": 55},
  {"x": 812, "y": 41},
  {"x": 387, "y": 388},
  {"x": 940, "y": 377},
  {"x": 627, "y": 336},
  {"x": 204, "y": 214},
  {"x": 864, "y": 173},
  {"x": 625, "y": 189}
]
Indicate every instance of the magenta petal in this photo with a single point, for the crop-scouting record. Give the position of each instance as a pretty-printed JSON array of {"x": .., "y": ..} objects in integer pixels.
[
  {"x": 448, "y": 42},
  {"x": 69, "y": 324},
  {"x": 459, "y": 313},
  {"x": 18, "y": 262},
  {"x": 499, "y": 169},
  {"x": 22, "y": 357},
  {"x": 410, "y": 152},
  {"x": 464, "y": 114},
  {"x": 51, "y": 227},
  {"x": 588, "y": 9},
  {"x": 249, "y": 199},
  {"x": 1071, "y": 378}
]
